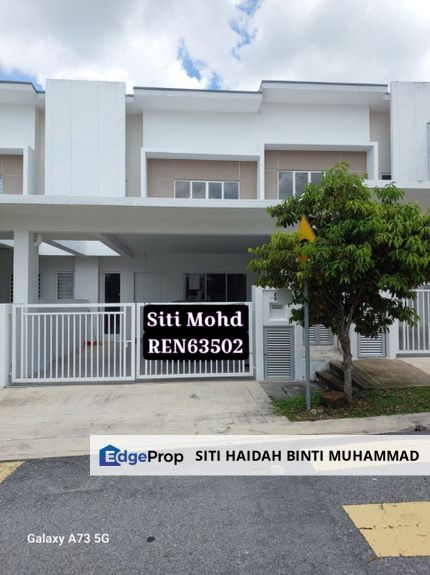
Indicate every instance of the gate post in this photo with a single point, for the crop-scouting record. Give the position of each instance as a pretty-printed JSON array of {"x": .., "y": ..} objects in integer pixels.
[
  {"x": 5, "y": 339},
  {"x": 392, "y": 340},
  {"x": 258, "y": 321}
]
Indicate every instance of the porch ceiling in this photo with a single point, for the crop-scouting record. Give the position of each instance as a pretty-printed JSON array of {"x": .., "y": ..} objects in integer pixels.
[
  {"x": 131, "y": 245},
  {"x": 199, "y": 244}
]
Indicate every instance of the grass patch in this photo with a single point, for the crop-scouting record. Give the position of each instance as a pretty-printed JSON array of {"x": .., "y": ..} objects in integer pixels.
[{"x": 364, "y": 404}]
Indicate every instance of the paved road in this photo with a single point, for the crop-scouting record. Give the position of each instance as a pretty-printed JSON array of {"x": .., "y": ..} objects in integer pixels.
[{"x": 204, "y": 526}]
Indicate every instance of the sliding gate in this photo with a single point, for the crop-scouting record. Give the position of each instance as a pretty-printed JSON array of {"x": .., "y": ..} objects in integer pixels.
[
  {"x": 193, "y": 368},
  {"x": 73, "y": 343},
  {"x": 98, "y": 342}
]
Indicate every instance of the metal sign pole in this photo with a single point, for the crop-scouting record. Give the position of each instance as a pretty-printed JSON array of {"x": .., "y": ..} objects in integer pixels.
[
  {"x": 307, "y": 349},
  {"x": 306, "y": 234}
]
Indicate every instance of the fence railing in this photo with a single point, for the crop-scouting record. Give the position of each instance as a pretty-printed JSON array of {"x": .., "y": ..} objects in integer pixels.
[
  {"x": 98, "y": 342},
  {"x": 191, "y": 368},
  {"x": 416, "y": 339},
  {"x": 73, "y": 342}
]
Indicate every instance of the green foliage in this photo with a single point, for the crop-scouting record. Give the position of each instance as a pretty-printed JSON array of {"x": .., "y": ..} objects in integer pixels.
[
  {"x": 365, "y": 404},
  {"x": 371, "y": 252}
]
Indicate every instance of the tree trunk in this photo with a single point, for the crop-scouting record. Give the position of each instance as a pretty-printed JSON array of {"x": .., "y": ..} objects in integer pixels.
[{"x": 345, "y": 344}]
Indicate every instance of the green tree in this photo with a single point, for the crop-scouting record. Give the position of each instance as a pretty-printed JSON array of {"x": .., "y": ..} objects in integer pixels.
[{"x": 371, "y": 252}]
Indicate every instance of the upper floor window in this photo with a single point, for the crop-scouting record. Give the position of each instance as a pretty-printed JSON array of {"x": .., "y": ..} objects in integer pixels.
[
  {"x": 292, "y": 183},
  {"x": 204, "y": 190}
]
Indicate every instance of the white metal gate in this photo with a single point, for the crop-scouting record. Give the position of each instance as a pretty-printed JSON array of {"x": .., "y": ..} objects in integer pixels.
[
  {"x": 98, "y": 342},
  {"x": 416, "y": 339},
  {"x": 73, "y": 342},
  {"x": 196, "y": 368}
]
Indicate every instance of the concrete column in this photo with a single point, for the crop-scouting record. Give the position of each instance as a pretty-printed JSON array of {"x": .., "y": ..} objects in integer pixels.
[
  {"x": 258, "y": 318},
  {"x": 261, "y": 174},
  {"x": 5, "y": 343},
  {"x": 354, "y": 342},
  {"x": 392, "y": 341},
  {"x": 143, "y": 174},
  {"x": 373, "y": 162},
  {"x": 428, "y": 150},
  {"x": 87, "y": 278},
  {"x": 25, "y": 267},
  {"x": 299, "y": 353}
]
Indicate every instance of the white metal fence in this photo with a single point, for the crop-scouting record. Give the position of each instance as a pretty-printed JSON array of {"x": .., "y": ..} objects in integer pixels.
[
  {"x": 73, "y": 342},
  {"x": 98, "y": 342},
  {"x": 173, "y": 369},
  {"x": 416, "y": 339}
]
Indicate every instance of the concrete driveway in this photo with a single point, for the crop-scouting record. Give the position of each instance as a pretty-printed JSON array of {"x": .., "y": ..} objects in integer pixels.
[{"x": 57, "y": 420}]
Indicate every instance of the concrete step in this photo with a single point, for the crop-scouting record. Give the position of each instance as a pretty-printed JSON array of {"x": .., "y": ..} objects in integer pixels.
[
  {"x": 361, "y": 378},
  {"x": 335, "y": 367},
  {"x": 330, "y": 379}
]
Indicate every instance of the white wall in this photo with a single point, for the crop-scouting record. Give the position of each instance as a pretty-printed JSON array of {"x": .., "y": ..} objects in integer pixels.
[
  {"x": 25, "y": 267},
  {"x": 410, "y": 113},
  {"x": 380, "y": 133},
  {"x": 40, "y": 151},
  {"x": 133, "y": 153},
  {"x": 5, "y": 343},
  {"x": 242, "y": 133},
  {"x": 17, "y": 126},
  {"x": 173, "y": 267},
  {"x": 85, "y": 138},
  {"x": 29, "y": 181},
  {"x": 18, "y": 130},
  {"x": 48, "y": 268},
  {"x": 89, "y": 273},
  {"x": 87, "y": 278}
]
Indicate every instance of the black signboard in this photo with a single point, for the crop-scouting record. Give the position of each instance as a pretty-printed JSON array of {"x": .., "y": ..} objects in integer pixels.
[{"x": 196, "y": 331}]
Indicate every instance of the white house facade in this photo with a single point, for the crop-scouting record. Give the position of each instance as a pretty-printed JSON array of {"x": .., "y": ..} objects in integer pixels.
[{"x": 111, "y": 200}]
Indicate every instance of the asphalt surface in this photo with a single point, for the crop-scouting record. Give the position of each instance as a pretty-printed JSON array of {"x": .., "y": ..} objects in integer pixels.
[{"x": 213, "y": 526}]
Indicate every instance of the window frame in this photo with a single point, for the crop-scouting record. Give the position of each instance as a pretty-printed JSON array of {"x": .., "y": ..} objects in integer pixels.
[
  {"x": 70, "y": 273},
  {"x": 189, "y": 189},
  {"x": 207, "y": 182},
  {"x": 205, "y": 281},
  {"x": 294, "y": 172}
]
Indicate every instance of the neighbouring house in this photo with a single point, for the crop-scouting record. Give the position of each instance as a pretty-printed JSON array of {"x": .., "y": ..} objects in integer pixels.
[{"x": 111, "y": 200}]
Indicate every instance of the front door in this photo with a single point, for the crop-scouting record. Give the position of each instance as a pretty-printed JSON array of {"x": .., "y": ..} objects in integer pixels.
[{"x": 112, "y": 289}]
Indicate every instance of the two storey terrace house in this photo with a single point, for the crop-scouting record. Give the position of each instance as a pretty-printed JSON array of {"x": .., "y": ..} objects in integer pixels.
[{"x": 110, "y": 199}]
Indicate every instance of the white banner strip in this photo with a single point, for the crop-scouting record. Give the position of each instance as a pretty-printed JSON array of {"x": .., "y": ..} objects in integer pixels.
[{"x": 257, "y": 455}]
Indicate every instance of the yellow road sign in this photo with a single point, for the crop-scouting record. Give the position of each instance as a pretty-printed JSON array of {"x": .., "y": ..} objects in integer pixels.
[{"x": 306, "y": 234}]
